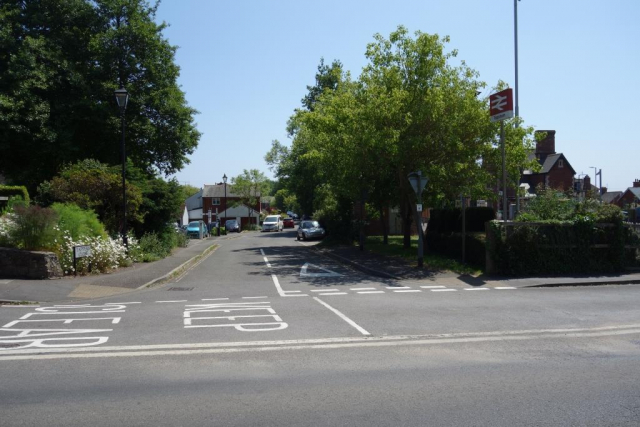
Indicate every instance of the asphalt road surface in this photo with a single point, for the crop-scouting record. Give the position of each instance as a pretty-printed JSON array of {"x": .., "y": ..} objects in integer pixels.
[{"x": 266, "y": 332}]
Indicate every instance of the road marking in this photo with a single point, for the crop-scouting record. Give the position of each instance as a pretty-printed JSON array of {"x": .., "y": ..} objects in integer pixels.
[
  {"x": 325, "y": 290},
  {"x": 265, "y": 258},
  {"x": 253, "y": 297},
  {"x": 214, "y": 299},
  {"x": 334, "y": 293},
  {"x": 443, "y": 290},
  {"x": 343, "y": 317},
  {"x": 432, "y": 287},
  {"x": 409, "y": 290},
  {"x": 362, "y": 289},
  {"x": 291, "y": 292},
  {"x": 504, "y": 287},
  {"x": 111, "y": 303},
  {"x": 178, "y": 300},
  {"x": 477, "y": 289},
  {"x": 329, "y": 273},
  {"x": 313, "y": 344},
  {"x": 18, "y": 306},
  {"x": 262, "y": 252},
  {"x": 371, "y": 292},
  {"x": 230, "y": 307},
  {"x": 281, "y": 292},
  {"x": 398, "y": 287},
  {"x": 5, "y": 282}
]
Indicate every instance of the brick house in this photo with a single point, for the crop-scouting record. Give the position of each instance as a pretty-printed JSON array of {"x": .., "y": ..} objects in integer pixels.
[
  {"x": 229, "y": 207},
  {"x": 631, "y": 197},
  {"x": 556, "y": 171}
]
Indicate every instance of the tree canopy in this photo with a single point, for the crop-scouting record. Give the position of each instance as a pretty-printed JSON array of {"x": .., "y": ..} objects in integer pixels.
[{"x": 60, "y": 62}]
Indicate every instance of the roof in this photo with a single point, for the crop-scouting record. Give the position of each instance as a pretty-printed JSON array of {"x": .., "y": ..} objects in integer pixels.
[
  {"x": 635, "y": 191},
  {"x": 195, "y": 201},
  {"x": 551, "y": 160},
  {"x": 217, "y": 190},
  {"x": 611, "y": 196}
]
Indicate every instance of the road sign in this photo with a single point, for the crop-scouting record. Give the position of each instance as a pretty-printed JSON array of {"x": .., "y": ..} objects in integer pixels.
[
  {"x": 419, "y": 207},
  {"x": 82, "y": 251},
  {"x": 501, "y": 105},
  {"x": 413, "y": 179}
]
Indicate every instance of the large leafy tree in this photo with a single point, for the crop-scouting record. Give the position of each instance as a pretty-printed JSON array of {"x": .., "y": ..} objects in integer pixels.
[
  {"x": 60, "y": 62},
  {"x": 249, "y": 186}
]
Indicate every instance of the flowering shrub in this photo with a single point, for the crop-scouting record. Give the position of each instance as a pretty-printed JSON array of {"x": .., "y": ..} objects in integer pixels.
[
  {"x": 7, "y": 225},
  {"x": 106, "y": 253}
]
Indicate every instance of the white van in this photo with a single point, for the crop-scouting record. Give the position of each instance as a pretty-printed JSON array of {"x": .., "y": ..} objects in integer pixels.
[{"x": 272, "y": 223}]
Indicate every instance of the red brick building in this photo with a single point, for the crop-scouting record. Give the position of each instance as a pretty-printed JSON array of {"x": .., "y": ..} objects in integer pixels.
[
  {"x": 556, "y": 171},
  {"x": 229, "y": 206},
  {"x": 631, "y": 197}
]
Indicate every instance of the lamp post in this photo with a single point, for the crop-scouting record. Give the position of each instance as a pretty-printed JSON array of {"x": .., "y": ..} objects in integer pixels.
[
  {"x": 224, "y": 179},
  {"x": 122, "y": 98},
  {"x": 597, "y": 172}
]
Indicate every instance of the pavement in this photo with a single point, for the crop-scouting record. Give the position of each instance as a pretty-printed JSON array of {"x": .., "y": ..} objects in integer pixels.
[{"x": 146, "y": 275}]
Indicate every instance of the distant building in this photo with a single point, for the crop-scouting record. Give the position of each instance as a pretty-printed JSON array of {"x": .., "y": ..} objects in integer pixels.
[
  {"x": 228, "y": 207},
  {"x": 556, "y": 171},
  {"x": 630, "y": 198}
]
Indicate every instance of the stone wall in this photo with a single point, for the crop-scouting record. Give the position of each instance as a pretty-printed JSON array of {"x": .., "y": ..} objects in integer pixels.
[{"x": 18, "y": 264}]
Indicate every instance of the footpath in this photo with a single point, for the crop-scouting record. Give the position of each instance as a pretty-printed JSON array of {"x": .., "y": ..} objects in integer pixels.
[
  {"x": 398, "y": 269},
  {"x": 122, "y": 281}
]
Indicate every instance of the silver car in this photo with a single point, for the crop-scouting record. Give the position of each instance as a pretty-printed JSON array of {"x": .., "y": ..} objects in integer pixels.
[
  {"x": 310, "y": 230},
  {"x": 272, "y": 223}
]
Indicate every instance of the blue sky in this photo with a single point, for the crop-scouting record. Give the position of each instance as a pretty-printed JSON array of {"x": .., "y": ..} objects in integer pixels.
[{"x": 245, "y": 66}]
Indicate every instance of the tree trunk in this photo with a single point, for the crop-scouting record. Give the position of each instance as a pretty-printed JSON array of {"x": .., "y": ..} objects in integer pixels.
[
  {"x": 385, "y": 227},
  {"x": 406, "y": 224}
]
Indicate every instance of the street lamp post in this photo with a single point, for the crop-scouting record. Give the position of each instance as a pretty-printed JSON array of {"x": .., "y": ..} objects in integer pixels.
[
  {"x": 122, "y": 98},
  {"x": 224, "y": 179},
  {"x": 597, "y": 173}
]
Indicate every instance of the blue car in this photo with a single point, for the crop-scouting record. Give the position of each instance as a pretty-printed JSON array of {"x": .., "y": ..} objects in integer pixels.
[{"x": 197, "y": 229}]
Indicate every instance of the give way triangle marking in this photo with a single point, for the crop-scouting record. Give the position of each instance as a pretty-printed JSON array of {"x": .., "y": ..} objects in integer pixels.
[{"x": 329, "y": 273}]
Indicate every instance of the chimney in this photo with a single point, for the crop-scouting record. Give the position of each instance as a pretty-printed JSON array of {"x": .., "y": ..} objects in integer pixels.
[
  {"x": 586, "y": 183},
  {"x": 545, "y": 146},
  {"x": 636, "y": 183},
  {"x": 604, "y": 190}
]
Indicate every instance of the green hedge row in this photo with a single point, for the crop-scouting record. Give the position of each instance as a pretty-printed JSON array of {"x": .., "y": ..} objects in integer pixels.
[
  {"x": 450, "y": 245},
  {"x": 560, "y": 248},
  {"x": 450, "y": 220},
  {"x": 14, "y": 190}
]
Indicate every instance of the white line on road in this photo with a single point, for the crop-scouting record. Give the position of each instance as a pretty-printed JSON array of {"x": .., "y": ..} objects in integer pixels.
[
  {"x": 371, "y": 292},
  {"x": 362, "y": 289},
  {"x": 311, "y": 344},
  {"x": 334, "y": 293},
  {"x": 325, "y": 290},
  {"x": 432, "y": 287},
  {"x": 504, "y": 287},
  {"x": 409, "y": 290},
  {"x": 179, "y": 300},
  {"x": 477, "y": 289},
  {"x": 5, "y": 282},
  {"x": 253, "y": 297},
  {"x": 343, "y": 317},
  {"x": 443, "y": 290},
  {"x": 262, "y": 252},
  {"x": 214, "y": 299},
  {"x": 291, "y": 292},
  {"x": 398, "y": 287},
  {"x": 281, "y": 292}
]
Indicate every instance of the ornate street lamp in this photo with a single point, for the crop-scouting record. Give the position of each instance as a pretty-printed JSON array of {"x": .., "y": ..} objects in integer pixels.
[
  {"x": 224, "y": 179},
  {"x": 122, "y": 98}
]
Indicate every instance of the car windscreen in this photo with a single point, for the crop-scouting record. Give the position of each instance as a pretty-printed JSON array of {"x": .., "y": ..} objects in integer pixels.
[
  {"x": 194, "y": 224},
  {"x": 271, "y": 219},
  {"x": 231, "y": 222},
  {"x": 310, "y": 224}
]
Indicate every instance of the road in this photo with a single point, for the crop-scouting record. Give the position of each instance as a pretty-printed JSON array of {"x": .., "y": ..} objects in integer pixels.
[{"x": 266, "y": 332}]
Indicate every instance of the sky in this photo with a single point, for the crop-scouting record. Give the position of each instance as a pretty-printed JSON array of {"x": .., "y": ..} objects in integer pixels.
[{"x": 245, "y": 66}]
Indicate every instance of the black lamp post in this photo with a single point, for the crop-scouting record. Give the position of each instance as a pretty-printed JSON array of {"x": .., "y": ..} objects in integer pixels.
[
  {"x": 122, "y": 97},
  {"x": 224, "y": 179}
]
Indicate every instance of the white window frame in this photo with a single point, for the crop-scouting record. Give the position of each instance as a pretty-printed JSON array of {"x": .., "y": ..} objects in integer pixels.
[{"x": 215, "y": 201}]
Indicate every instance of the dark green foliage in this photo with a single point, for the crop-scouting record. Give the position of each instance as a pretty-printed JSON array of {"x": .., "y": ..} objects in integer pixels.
[
  {"x": 60, "y": 62},
  {"x": 450, "y": 245},
  {"x": 450, "y": 220},
  {"x": 561, "y": 248},
  {"x": 78, "y": 222},
  {"x": 35, "y": 227},
  {"x": 14, "y": 190},
  {"x": 155, "y": 246}
]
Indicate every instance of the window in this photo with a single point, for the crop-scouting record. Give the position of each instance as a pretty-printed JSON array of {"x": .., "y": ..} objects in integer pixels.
[
  {"x": 215, "y": 201},
  {"x": 560, "y": 163}
]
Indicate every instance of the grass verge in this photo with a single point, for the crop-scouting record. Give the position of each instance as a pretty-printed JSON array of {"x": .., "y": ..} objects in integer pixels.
[{"x": 431, "y": 261}]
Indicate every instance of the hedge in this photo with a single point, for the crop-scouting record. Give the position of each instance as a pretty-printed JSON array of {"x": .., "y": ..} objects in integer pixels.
[
  {"x": 14, "y": 190},
  {"x": 450, "y": 245}
]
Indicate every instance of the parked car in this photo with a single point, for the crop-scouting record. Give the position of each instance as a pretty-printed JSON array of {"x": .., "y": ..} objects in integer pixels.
[
  {"x": 197, "y": 229},
  {"x": 288, "y": 223},
  {"x": 272, "y": 223},
  {"x": 232, "y": 225},
  {"x": 310, "y": 229}
]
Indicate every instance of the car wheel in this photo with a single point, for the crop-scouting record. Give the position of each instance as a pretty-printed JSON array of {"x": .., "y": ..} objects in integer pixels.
[
  {"x": 298, "y": 237},
  {"x": 304, "y": 236}
]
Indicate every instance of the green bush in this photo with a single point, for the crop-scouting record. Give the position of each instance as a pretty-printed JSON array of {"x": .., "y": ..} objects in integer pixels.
[
  {"x": 450, "y": 220},
  {"x": 450, "y": 245},
  {"x": 14, "y": 190},
  {"x": 34, "y": 227},
  {"x": 78, "y": 222},
  {"x": 153, "y": 248},
  {"x": 182, "y": 239}
]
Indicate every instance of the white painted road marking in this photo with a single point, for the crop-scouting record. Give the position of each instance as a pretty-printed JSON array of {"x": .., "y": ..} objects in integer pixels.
[
  {"x": 398, "y": 287},
  {"x": 178, "y": 300},
  {"x": 214, "y": 299},
  {"x": 314, "y": 344},
  {"x": 476, "y": 289},
  {"x": 229, "y": 307},
  {"x": 265, "y": 258},
  {"x": 362, "y": 289},
  {"x": 504, "y": 287},
  {"x": 329, "y": 273},
  {"x": 371, "y": 292},
  {"x": 443, "y": 290},
  {"x": 281, "y": 292},
  {"x": 325, "y": 290},
  {"x": 343, "y": 317},
  {"x": 5, "y": 282},
  {"x": 432, "y": 287},
  {"x": 334, "y": 293},
  {"x": 409, "y": 290},
  {"x": 253, "y": 297}
]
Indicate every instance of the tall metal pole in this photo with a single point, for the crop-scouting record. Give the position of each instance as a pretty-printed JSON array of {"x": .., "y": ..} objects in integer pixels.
[
  {"x": 124, "y": 191},
  {"x": 515, "y": 31},
  {"x": 504, "y": 174},
  {"x": 419, "y": 223}
]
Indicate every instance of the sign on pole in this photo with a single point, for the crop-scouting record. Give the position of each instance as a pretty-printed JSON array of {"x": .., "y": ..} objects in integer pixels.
[
  {"x": 413, "y": 180},
  {"x": 501, "y": 105},
  {"x": 419, "y": 207}
]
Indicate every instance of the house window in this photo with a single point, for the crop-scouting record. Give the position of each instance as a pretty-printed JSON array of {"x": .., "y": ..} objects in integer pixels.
[
  {"x": 215, "y": 201},
  {"x": 560, "y": 163}
]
